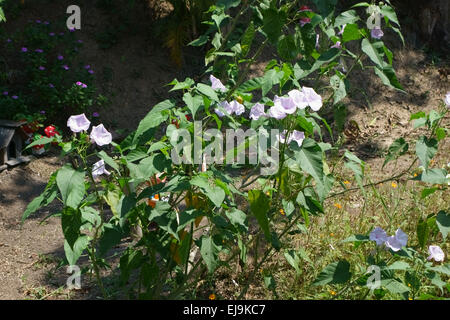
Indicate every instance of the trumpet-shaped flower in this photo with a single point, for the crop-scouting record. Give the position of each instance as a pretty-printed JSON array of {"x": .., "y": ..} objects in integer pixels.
[
  {"x": 237, "y": 108},
  {"x": 286, "y": 104},
  {"x": 398, "y": 241},
  {"x": 257, "y": 111},
  {"x": 276, "y": 112},
  {"x": 378, "y": 235},
  {"x": 376, "y": 33},
  {"x": 436, "y": 253},
  {"x": 226, "y": 106},
  {"x": 295, "y": 135},
  {"x": 216, "y": 84},
  {"x": 98, "y": 169},
  {"x": 78, "y": 123},
  {"x": 100, "y": 135}
]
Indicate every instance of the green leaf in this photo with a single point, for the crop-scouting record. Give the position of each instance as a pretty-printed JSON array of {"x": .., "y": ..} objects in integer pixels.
[
  {"x": 434, "y": 176},
  {"x": 108, "y": 160},
  {"x": 71, "y": 224},
  {"x": 325, "y": 6},
  {"x": 389, "y": 12},
  {"x": 398, "y": 148},
  {"x": 334, "y": 273},
  {"x": 207, "y": 91},
  {"x": 293, "y": 259},
  {"x": 215, "y": 193},
  {"x": 71, "y": 185},
  {"x": 273, "y": 21},
  {"x": 426, "y": 149},
  {"x": 427, "y": 191},
  {"x": 209, "y": 252},
  {"x": 74, "y": 252},
  {"x": 112, "y": 235},
  {"x": 443, "y": 223},
  {"x": 44, "y": 199},
  {"x": 153, "y": 119},
  {"x": 237, "y": 218},
  {"x": 388, "y": 77},
  {"x": 398, "y": 265},
  {"x": 351, "y": 32},
  {"x": 247, "y": 39},
  {"x": 357, "y": 238},
  {"x": 259, "y": 205},
  {"x": 370, "y": 49},
  {"x": 193, "y": 103},
  {"x": 286, "y": 48},
  {"x": 186, "y": 84},
  {"x": 394, "y": 286}
]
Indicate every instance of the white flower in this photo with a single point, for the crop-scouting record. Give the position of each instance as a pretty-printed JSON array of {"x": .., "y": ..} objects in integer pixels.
[
  {"x": 378, "y": 235},
  {"x": 295, "y": 135},
  {"x": 100, "y": 135},
  {"x": 398, "y": 241},
  {"x": 436, "y": 253},
  {"x": 237, "y": 108},
  {"x": 306, "y": 97},
  {"x": 216, "y": 84},
  {"x": 78, "y": 123},
  {"x": 99, "y": 168},
  {"x": 286, "y": 104},
  {"x": 276, "y": 112},
  {"x": 447, "y": 99},
  {"x": 257, "y": 111},
  {"x": 226, "y": 106}
]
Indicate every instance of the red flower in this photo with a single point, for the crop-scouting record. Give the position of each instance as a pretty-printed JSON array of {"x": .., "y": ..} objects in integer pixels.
[
  {"x": 50, "y": 131},
  {"x": 304, "y": 8},
  {"x": 176, "y": 123},
  {"x": 188, "y": 117}
]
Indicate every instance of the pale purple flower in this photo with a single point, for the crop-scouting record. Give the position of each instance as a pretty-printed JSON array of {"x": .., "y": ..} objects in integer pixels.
[
  {"x": 78, "y": 123},
  {"x": 337, "y": 45},
  {"x": 24, "y": 49},
  {"x": 96, "y": 115},
  {"x": 307, "y": 97},
  {"x": 398, "y": 241},
  {"x": 91, "y": 71},
  {"x": 80, "y": 41},
  {"x": 226, "y": 106},
  {"x": 447, "y": 99},
  {"x": 216, "y": 84},
  {"x": 5, "y": 93},
  {"x": 100, "y": 135},
  {"x": 304, "y": 21},
  {"x": 341, "y": 32},
  {"x": 65, "y": 67},
  {"x": 39, "y": 50},
  {"x": 38, "y": 21},
  {"x": 84, "y": 86},
  {"x": 8, "y": 40},
  {"x": 257, "y": 111},
  {"x": 378, "y": 235},
  {"x": 237, "y": 108},
  {"x": 42, "y": 112},
  {"x": 51, "y": 34},
  {"x": 276, "y": 112},
  {"x": 295, "y": 135},
  {"x": 286, "y": 104},
  {"x": 60, "y": 57},
  {"x": 15, "y": 97},
  {"x": 41, "y": 68},
  {"x": 51, "y": 85},
  {"x": 87, "y": 67},
  {"x": 436, "y": 253},
  {"x": 72, "y": 29},
  {"x": 98, "y": 169},
  {"x": 376, "y": 33},
  {"x": 79, "y": 83}
]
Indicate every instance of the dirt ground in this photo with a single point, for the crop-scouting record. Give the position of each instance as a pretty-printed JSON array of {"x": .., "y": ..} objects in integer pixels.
[{"x": 29, "y": 253}]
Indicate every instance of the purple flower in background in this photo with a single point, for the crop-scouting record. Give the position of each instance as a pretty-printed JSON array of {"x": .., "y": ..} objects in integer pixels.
[
  {"x": 78, "y": 83},
  {"x": 51, "y": 85},
  {"x": 337, "y": 45},
  {"x": 78, "y": 123},
  {"x": 51, "y": 34},
  {"x": 96, "y": 115},
  {"x": 87, "y": 67},
  {"x": 225, "y": 105},
  {"x": 436, "y": 253},
  {"x": 80, "y": 41},
  {"x": 378, "y": 235},
  {"x": 84, "y": 86},
  {"x": 257, "y": 111},
  {"x": 42, "y": 112},
  {"x": 15, "y": 97},
  {"x": 398, "y": 241},
  {"x": 72, "y": 29},
  {"x": 5, "y": 93},
  {"x": 65, "y": 67},
  {"x": 341, "y": 32},
  {"x": 91, "y": 71},
  {"x": 376, "y": 33},
  {"x": 24, "y": 49},
  {"x": 60, "y": 57},
  {"x": 41, "y": 68},
  {"x": 46, "y": 23},
  {"x": 100, "y": 135},
  {"x": 39, "y": 50},
  {"x": 98, "y": 169},
  {"x": 38, "y": 21},
  {"x": 216, "y": 84},
  {"x": 447, "y": 99},
  {"x": 286, "y": 104},
  {"x": 8, "y": 40}
]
